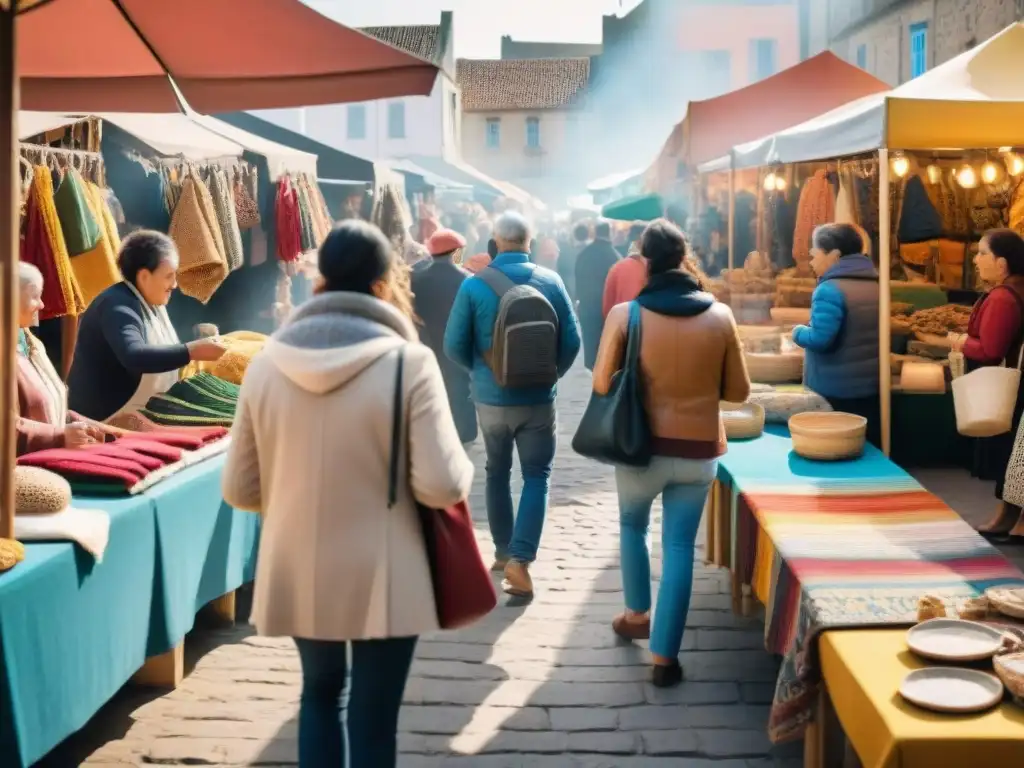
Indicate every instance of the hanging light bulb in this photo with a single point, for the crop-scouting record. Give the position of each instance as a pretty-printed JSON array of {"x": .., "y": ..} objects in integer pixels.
[
  {"x": 967, "y": 177},
  {"x": 934, "y": 173},
  {"x": 990, "y": 172},
  {"x": 900, "y": 166},
  {"x": 1005, "y": 150},
  {"x": 1014, "y": 164},
  {"x": 769, "y": 182},
  {"x": 780, "y": 183}
]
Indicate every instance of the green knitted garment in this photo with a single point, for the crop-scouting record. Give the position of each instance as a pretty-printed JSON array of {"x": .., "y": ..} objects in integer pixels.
[{"x": 201, "y": 400}]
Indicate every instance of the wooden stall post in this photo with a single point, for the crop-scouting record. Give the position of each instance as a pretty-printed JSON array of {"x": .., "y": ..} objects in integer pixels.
[
  {"x": 884, "y": 302},
  {"x": 8, "y": 259},
  {"x": 732, "y": 214}
]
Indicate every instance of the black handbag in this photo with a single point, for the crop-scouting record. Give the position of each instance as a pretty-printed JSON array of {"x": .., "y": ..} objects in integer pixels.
[{"x": 614, "y": 428}]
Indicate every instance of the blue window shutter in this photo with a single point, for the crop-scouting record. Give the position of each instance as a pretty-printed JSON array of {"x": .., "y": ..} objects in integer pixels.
[{"x": 918, "y": 49}]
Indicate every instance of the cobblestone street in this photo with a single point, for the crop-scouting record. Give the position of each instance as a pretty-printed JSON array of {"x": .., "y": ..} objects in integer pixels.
[{"x": 545, "y": 684}]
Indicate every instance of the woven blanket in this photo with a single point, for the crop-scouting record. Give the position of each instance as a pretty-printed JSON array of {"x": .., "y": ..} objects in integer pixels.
[{"x": 844, "y": 544}]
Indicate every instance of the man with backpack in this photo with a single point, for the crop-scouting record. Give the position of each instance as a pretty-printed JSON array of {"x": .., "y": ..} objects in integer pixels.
[{"x": 512, "y": 326}]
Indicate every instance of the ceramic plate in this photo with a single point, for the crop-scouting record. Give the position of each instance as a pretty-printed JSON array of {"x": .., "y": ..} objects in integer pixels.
[
  {"x": 952, "y": 689},
  {"x": 954, "y": 640}
]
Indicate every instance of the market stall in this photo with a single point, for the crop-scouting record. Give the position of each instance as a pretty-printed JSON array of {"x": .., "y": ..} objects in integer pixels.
[{"x": 832, "y": 547}]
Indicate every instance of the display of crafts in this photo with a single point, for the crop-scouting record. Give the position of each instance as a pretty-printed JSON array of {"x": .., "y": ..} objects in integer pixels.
[
  {"x": 983, "y": 632},
  {"x": 202, "y": 400}
]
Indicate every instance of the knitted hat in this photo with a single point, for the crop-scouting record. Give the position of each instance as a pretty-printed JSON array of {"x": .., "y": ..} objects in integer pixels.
[
  {"x": 39, "y": 492},
  {"x": 445, "y": 241}
]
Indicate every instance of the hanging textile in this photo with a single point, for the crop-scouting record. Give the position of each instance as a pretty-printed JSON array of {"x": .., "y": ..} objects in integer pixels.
[
  {"x": 227, "y": 218},
  {"x": 44, "y": 246},
  {"x": 308, "y": 236},
  {"x": 97, "y": 270},
  {"x": 247, "y": 210},
  {"x": 289, "y": 226},
  {"x": 196, "y": 232},
  {"x": 77, "y": 222},
  {"x": 949, "y": 199},
  {"x": 844, "y": 200},
  {"x": 318, "y": 208},
  {"x": 817, "y": 206}
]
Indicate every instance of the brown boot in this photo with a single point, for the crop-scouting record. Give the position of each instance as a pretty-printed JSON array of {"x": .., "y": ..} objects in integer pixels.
[
  {"x": 499, "y": 565},
  {"x": 517, "y": 579},
  {"x": 633, "y": 627}
]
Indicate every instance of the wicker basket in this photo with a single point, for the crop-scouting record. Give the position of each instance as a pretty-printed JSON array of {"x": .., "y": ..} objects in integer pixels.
[
  {"x": 1010, "y": 669},
  {"x": 784, "y": 368},
  {"x": 828, "y": 436},
  {"x": 743, "y": 421},
  {"x": 790, "y": 316}
]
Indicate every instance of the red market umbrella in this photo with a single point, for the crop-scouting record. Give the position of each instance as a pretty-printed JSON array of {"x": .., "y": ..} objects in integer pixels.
[
  {"x": 120, "y": 55},
  {"x": 224, "y": 55}
]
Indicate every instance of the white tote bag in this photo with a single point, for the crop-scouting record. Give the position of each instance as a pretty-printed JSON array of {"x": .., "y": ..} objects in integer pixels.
[{"x": 984, "y": 399}]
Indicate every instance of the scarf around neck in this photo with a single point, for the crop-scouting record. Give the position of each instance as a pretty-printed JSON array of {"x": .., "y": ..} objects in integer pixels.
[{"x": 675, "y": 294}]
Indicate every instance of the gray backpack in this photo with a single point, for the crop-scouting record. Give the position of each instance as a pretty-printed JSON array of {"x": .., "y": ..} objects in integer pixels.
[{"x": 524, "y": 345}]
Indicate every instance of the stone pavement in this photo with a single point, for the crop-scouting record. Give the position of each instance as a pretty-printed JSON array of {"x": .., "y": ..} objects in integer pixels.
[{"x": 543, "y": 685}]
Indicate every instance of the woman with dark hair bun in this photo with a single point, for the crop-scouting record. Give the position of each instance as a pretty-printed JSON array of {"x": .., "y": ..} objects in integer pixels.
[
  {"x": 127, "y": 350},
  {"x": 690, "y": 360},
  {"x": 342, "y": 568},
  {"x": 996, "y": 333}
]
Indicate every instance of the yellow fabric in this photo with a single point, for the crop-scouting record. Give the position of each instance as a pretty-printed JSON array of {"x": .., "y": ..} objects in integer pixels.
[
  {"x": 863, "y": 669},
  {"x": 42, "y": 187},
  {"x": 196, "y": 232},
  {"x": 96, "y": 270},
  {"x": 242, "y": 347},
  {"x": 763, "y": 559}
]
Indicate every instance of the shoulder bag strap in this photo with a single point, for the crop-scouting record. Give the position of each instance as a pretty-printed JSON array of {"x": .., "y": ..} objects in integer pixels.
[
  {"x": 633, "y": 336},
  {"x": 496, "y": 280},
  {"x": 396, "y": 429}
]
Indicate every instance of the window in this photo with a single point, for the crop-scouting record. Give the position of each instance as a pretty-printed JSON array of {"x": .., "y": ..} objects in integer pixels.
[
  {"x": 356, "y": 121},
  {"x": 862, "y": 56},
  {"x": 493, "y": 132},
  {"x": 763, "y": 58},
  {"x": 396, "y": 120},
  {"x": 533, "y": 132},
  {"x": 918, "y": 49}
]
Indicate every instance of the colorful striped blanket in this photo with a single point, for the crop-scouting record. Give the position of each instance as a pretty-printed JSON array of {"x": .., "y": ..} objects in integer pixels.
[{"x": 840, "y": 545}]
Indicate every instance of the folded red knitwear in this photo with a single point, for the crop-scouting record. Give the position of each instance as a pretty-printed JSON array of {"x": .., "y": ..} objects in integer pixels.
[
  {"x": 127, "y": 463},
  {"x": 124, "y": 452},
  {"x": 72, "y": 463},
  {"x": 149, "y": 447},
  {"x": 186, "y": 438}
]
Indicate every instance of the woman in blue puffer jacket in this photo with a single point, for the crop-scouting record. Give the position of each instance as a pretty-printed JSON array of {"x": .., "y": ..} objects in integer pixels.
[{"x": 841, "y": 342}]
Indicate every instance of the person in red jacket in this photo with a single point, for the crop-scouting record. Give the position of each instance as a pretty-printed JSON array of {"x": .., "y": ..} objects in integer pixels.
[
  {"x": 995, "y": 333},
  {"x": 628, "y": 277}
]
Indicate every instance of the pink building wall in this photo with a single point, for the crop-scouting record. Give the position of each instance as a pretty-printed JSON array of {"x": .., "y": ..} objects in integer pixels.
[{"x": 731, "y": 28}]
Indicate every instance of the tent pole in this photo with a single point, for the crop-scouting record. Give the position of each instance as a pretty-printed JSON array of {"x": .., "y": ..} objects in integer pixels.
[
  {"x": 732, "y": 217},
  {"x": 9, "y": 203},
  {"x": 884, "y": 302}
]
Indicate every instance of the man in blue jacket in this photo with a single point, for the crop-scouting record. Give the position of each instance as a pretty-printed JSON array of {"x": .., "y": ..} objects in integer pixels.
[
  {"x": 521, "y": 417},
  {"x": 841, "y": 361}
]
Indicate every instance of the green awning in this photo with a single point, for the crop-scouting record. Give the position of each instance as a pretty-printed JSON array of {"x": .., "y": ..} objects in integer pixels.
[{"x": 641, "y": 208}]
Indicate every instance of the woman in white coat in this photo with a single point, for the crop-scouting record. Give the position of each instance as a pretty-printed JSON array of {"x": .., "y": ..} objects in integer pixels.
[{"x": 340, "y": 571}]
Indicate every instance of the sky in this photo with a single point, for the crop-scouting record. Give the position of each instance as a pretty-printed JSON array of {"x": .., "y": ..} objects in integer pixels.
[{"x": 479, "y": 24}]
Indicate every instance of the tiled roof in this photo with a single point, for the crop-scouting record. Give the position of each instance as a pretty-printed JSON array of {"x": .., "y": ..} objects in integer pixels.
[
  {"x": 423, "y": 40},
  {"x": 496, "y": 84}
]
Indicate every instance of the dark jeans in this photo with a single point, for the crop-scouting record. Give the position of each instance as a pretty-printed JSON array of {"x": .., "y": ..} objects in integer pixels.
[
  {"x": 351, "y": 694},
  {"x": 531, "y": 430}
]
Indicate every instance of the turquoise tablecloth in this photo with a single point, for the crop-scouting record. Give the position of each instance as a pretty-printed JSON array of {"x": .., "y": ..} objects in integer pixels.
[
  {"x": 770, "y": 459},
  {"x": 204, "y": 549},
  {"x": 72, "y": 631}
]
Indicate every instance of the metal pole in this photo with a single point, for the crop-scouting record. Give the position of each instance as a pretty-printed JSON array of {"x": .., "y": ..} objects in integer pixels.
[
  {"x": 8, "y": 261},
  {"x": 884, "y": 302}
]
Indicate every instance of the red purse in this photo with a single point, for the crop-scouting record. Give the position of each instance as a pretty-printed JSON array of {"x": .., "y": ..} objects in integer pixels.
[{"x": 463, "y": 591}]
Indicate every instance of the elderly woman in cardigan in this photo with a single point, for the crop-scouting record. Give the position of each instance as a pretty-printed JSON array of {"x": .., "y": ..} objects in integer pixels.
[
  {"x": 127, "y": 349},
  {"x": 44, "y": 420}
]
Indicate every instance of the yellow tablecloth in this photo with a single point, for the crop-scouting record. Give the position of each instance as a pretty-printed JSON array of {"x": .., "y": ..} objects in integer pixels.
[{"x": 863, "y": 670}]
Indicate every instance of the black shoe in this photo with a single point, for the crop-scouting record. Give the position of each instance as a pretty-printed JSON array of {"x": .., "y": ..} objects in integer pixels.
[{"x": 666, "y": 675}]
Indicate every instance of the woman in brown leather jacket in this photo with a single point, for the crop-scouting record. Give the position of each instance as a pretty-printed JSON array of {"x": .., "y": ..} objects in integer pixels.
[{"x": 690, "y": 359}]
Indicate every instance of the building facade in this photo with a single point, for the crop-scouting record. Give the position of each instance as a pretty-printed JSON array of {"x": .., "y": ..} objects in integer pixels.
[
  {"x": 525, "y": 49},
  {"x": 897, "y": 40},
  {"x": 390, "y": 128},
  {"x": 519, "y": 117}
]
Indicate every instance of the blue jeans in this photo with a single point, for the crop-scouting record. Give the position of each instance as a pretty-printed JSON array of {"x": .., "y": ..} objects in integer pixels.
[
  {"x": 531, "y": 430},
  {"x": 351, "y": 694},
  {"x": 683, "y": 485}
]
